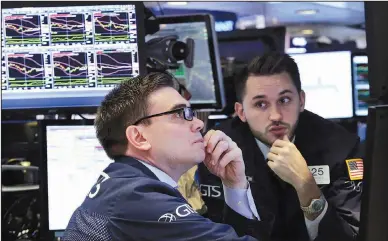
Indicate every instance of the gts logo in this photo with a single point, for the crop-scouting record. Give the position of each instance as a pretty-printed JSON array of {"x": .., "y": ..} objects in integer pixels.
[{"x": 210, "y": 191}]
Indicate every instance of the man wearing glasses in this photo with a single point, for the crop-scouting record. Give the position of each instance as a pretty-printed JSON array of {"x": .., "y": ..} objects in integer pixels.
[{"x": 150, "y": 131}]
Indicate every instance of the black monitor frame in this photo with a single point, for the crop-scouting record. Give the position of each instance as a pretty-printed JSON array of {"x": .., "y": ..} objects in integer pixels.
[
  {"x": 273, "y": 37},
  {"x": 31, "y": 112},
  {"x": 373, "y": 216},
  {"x": 376, "y": 19},
  {"x": 214, "y": 56},
  {"x": 47, "y": 234}
]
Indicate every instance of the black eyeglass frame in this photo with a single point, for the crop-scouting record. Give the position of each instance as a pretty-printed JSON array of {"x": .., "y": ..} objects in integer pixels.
[{"x": 186, "y": 115}]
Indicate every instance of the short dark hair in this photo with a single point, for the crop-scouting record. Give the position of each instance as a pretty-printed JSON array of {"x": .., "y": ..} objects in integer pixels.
[
  {"x": 268, "y": 64},
  {"x": 124, "y": 105}
]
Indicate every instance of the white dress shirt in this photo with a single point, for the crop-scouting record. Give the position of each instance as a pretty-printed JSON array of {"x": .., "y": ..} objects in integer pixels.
[
  {"x": 312, "y": 225},
  {"x": 240, "y": 200}
]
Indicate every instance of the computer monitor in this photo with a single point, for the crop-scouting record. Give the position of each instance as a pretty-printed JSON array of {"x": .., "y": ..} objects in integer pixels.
[
  {"x": 204, "y": 81},
  {"x": 244, "y": 45},
  {"x": 361, "y": 84},
  {"x": 68, "y": 54},
  {"x": 327, "y": 80},
  {"x": 72, "y": 161},
  {"x": 373, "y": 217}
]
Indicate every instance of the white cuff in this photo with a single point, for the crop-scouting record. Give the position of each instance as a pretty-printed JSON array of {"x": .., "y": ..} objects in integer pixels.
[
  {"x": 313, "y": 225},
  {"x": 241, "y": 201}
]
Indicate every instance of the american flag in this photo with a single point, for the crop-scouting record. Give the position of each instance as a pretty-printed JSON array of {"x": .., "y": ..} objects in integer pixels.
[{"x": 355, "y": 168}]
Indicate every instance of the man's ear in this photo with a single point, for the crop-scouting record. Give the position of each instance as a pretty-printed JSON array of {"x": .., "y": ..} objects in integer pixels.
[
  {"x": 136, "y": 138},
  {"x": 302, "y": 98},
  {"x": 238, "y": 108}
]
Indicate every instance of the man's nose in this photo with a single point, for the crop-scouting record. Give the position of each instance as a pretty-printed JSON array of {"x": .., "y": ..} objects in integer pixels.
[
  {"x": 197, "y": 125},
  {"x": 275, "y": 114}
]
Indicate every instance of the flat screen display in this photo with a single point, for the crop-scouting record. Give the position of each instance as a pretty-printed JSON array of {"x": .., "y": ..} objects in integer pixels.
[
  {"x": 66, "y": 56},
  {"x": 327, "y": 80}
]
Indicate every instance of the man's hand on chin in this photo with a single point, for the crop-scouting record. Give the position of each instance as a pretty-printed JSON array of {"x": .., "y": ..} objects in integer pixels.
[
  {"x": 288, "y": 163},
  {"x": 224, "y": 159}
]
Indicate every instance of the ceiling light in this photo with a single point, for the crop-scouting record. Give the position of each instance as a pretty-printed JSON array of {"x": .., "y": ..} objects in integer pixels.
[
  {"x": 177, "y": 3},
  {"x": 307, "y": 12},
  {"x": 307, "y": 31}
]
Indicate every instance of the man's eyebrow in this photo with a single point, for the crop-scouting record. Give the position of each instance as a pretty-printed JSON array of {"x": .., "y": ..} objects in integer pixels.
[
  {"x": 280, "y": 93},
  {"x": 178, "y": 106},
  {"x": 285, "y": 92},
  {"x": 259, "y": 97}
]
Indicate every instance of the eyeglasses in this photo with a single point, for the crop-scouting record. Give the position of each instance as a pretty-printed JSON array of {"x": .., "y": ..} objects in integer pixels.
[{"x": 187, "y": 113}]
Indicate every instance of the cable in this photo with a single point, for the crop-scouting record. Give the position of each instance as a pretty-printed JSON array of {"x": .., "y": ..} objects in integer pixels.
[
  {"x": 83, "y": 117},
  {"x": 160, "y": 9},
  {"x": 16, "y": 202}
]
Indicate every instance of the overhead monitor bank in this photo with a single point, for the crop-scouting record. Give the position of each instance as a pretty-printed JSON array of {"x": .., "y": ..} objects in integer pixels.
[{"x": 67, "y": 55}]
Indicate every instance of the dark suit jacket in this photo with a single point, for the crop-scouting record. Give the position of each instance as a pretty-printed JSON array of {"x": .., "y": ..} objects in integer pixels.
[
  {"x": 321, "y": 142},
  {"x": 128, "y": 203}
]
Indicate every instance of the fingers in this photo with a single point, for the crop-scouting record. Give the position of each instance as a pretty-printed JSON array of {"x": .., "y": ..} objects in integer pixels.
[
  {"x": 233, "y": 155},
  {"x": 280, "y": 143},
  {"x": 273, "y": 157},
  {"x": 221, "y": 148},
  {"x": 273, "y": 160},
  {"x": 212, "y": 138},
  {"x": 277, "y": 150},
  {"x": 272, "y": 165},
  {"x": 209, "y": 165},
  {"x": 220, "y": 151},
  {"x": 207, "y": 137},
  {"x": 219, "y": 165}
]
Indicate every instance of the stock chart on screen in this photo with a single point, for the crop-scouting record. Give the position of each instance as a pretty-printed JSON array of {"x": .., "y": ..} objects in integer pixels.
[{"x": 66, "y": 52}]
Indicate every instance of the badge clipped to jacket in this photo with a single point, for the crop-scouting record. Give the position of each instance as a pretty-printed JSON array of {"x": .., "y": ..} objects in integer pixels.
[{"x": 321, "y": 174}]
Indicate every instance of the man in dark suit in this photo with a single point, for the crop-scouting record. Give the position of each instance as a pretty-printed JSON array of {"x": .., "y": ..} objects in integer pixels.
[
  {"x": 154, "y": 137},
  {"x": 304, "y": 171}
]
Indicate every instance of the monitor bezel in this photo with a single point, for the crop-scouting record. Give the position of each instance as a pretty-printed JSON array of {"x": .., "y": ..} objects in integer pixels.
[
  {"x": 273, "y": 37},
  {"x": 46, "y": 233},
  {"x": 11, "y": 113},
  {"x": 214, "y": 55},
  {"x": 374, "y": 193}
]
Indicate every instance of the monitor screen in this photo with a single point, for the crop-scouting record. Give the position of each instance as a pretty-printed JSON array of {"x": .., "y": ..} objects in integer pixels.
[
  {"x": 327, "y": 81},
  {"x": 243, "y": 50},
  {"x": 75, "y": 160},
  {"x": 361, "y": 84},
  {"x": 204, "y": 79},
  {"x": 67, "y": 56},
  {"x": 244, "y": 45}
]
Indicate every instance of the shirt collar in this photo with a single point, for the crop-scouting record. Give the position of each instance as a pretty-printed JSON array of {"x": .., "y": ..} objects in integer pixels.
[
  {"x": 264, "y": 148},
  {"x": 162, "y": 176}
]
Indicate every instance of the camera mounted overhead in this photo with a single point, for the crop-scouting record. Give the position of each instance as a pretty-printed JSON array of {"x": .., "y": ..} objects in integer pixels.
[{"x": 164, "y": 52}]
